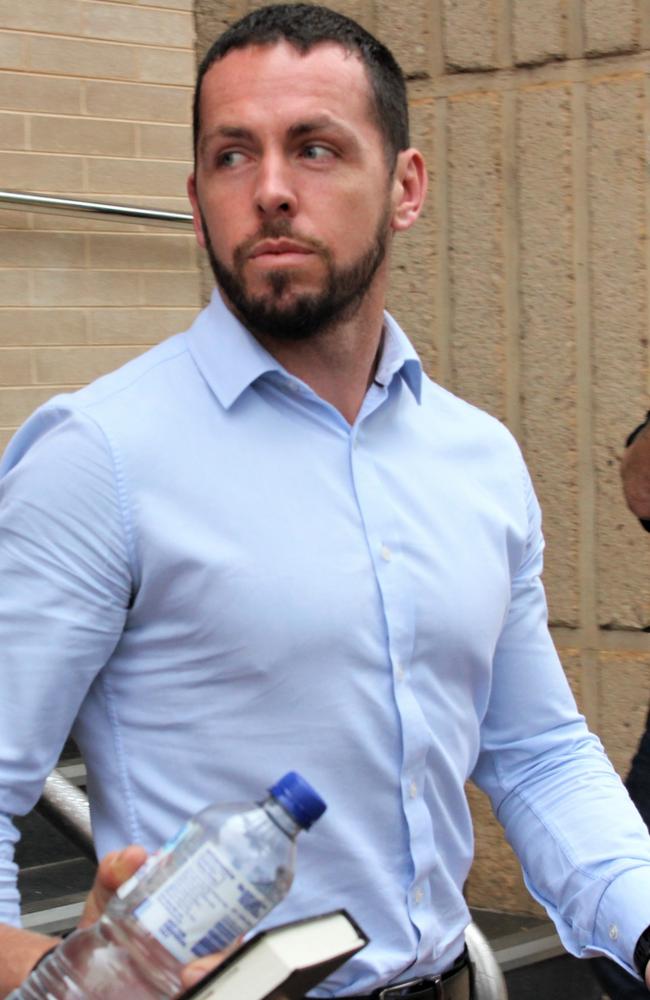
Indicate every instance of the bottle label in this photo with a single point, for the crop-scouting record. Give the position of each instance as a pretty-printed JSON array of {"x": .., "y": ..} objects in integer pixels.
[
  {"x": 152, "y": 861},
  {"x": 203, "y": 907}
]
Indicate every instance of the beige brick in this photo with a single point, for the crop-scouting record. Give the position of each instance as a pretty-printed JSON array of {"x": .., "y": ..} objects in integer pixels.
[
  {"x": 65, "y": 17},
  {"x": 539, "y": 30},
  {"x": 79, "y": 57},
  {"x": 131, "y": 24},
  {"x": 138, "y": 326},
  {"x": 17, "y": 404},
  {"x": 30, "y": 249},
  {"x": 145, "y": 177},
  {"x": 15, "y": 366},
  {"x": 21, "y": 92},
  {"x": 173, "y": 289},
  {"x": 12, "y": 50},
  {"x": 166, "y": 142},
  {"x": 172, "y": 66},
  {"x": 14, "y": 219},
  {"x": 470, "y": 34},
  {"x": 29, "y": 327},
  {"x": 36, "y": 172},
  {"x": 138, "y": 101},
  {"x": 6, "y": 434},
  {"x": 211, "y": 19},
  {"x": 171, "y": 4},
  {"x": 14, "y": 288},
  {"x": 12, "y": 132},
  {"x": 150, "y": 252},
  {"x": 617, "y": 189},
  {"x": 624, "y": 680},
  {"x": 547, "y": 325},
  {"x": 85, "y": 288},
  {"x": 82, "y": 135},
  {"x": 607, "y": 33},
  {"x": 407, "y": 35},
  {"x": 74, "y": 365},
  {"x": 476, "y": 260}
]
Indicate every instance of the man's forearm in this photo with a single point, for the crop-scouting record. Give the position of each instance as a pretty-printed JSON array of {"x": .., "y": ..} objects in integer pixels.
[{"x": 20, "y": 950}]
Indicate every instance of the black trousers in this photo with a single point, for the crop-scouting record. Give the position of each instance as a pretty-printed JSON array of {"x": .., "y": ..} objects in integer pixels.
[{"x": 617, "y": 983}]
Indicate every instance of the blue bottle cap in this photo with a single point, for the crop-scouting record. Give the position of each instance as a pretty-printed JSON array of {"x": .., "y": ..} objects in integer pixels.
[{"x": 298, "y": 798}]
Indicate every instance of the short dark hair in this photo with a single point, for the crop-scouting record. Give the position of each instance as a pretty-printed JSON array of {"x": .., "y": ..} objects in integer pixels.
[{"x": 304, "y": 26}]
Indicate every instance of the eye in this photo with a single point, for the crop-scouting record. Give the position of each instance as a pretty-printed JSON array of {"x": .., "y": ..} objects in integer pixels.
[
  {"x": 314, "y": 151},
  {"x": 230, "y": 158}
]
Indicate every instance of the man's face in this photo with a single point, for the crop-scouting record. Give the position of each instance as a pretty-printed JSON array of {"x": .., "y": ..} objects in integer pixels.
[{"x": 292, "y": 196}]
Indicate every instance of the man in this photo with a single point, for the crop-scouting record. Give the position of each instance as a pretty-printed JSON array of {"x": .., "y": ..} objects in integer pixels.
[{"x": 272, "y": 542}]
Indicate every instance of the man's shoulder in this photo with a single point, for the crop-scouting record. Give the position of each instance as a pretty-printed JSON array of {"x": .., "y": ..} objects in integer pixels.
[
  {"x": 141, "y": 375},
  {"x": 464, "y": 419},
  {"x": 132, "y": 400}
]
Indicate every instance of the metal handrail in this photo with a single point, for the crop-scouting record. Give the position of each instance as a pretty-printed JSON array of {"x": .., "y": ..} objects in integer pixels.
[
  {"x": 28, "y": 202},
  {"x": 66, "y": 806}
]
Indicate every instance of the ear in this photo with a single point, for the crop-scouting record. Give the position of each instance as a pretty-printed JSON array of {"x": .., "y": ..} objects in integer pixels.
[
  {"x": 409, "y": 189},
  {"x": 196, "y": 211}
]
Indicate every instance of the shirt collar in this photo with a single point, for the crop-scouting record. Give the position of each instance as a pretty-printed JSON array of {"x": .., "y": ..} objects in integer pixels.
[{"x": 231, "y": 359}]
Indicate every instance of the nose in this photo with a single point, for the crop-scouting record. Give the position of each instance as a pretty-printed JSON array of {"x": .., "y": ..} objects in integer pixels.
[{"x": 275, "y": 193}]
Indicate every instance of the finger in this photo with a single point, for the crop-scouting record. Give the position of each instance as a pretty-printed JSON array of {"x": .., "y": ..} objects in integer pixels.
[
  {"x": 114, "y": 869},
  {"x": 195, "y": 971}
]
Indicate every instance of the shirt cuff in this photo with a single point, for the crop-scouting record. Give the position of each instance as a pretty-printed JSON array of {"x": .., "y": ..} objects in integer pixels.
[{"x": 623, "y": 915}]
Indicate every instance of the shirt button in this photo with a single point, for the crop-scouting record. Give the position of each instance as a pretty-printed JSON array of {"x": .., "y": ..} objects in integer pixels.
[
  {"x": 413, "y": 790},
  {"x": 385, "y": 553},
  {"x": 418, "y": 895},
  {"x": 613, "y": 932},
  {"x": 399, "y": 671}
]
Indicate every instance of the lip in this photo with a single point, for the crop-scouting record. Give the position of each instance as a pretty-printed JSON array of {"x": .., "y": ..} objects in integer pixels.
[{"x": 279, "y": 248}]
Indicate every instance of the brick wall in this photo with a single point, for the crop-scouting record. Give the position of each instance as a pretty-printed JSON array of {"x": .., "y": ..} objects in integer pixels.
[{"x": 94, "y": 103}]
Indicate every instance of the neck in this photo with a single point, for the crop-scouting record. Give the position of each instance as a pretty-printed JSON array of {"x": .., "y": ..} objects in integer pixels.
[{"x": 338, "y": 363}]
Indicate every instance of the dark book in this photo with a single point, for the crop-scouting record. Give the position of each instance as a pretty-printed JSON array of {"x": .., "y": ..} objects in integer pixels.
[{"x": 285, "y": 962}]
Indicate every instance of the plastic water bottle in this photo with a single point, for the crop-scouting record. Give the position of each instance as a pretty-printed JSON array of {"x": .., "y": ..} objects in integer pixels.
[{"x": 225, "y": 869}]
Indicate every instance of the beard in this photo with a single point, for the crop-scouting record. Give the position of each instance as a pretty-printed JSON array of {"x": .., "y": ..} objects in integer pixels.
[{"x": 306, "y": 314}]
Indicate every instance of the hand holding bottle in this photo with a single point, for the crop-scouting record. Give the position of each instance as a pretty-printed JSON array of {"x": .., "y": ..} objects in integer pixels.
[
  {"x": 154, "y": 925},
  {"x": 114, "y": 869}
]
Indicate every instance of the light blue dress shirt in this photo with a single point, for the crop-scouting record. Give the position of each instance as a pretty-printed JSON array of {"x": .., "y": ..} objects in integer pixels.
[{"x": 211, "y": 578}]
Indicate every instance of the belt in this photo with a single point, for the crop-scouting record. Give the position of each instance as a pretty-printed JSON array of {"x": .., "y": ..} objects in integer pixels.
[{"x": 455, "y": 984}]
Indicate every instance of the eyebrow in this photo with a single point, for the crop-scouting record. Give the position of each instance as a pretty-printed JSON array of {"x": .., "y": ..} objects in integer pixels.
[
  {"x": 319, "y": 124},
  {"x": 226, "y": 132},
  {"x": 322, "y": 123}
]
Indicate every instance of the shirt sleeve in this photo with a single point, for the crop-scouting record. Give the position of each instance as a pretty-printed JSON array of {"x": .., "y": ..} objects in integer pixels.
[
  {"x": 66, "y": 585},
  {"x": 584, "y": 849}
]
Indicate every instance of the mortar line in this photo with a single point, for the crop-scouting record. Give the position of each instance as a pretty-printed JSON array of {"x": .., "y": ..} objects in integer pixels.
[
  {"x": 436, "y": 52},
  {"x": 575, "y": 29},
  {"x": 442, "y": 332},
  {"x": 585, "y": 470},
  {"x": 646, "y": 164},
  {"x": 512, "y": 313},
  {"x": 504, "y": 41},
  {"x": 644, "y": 24}
]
